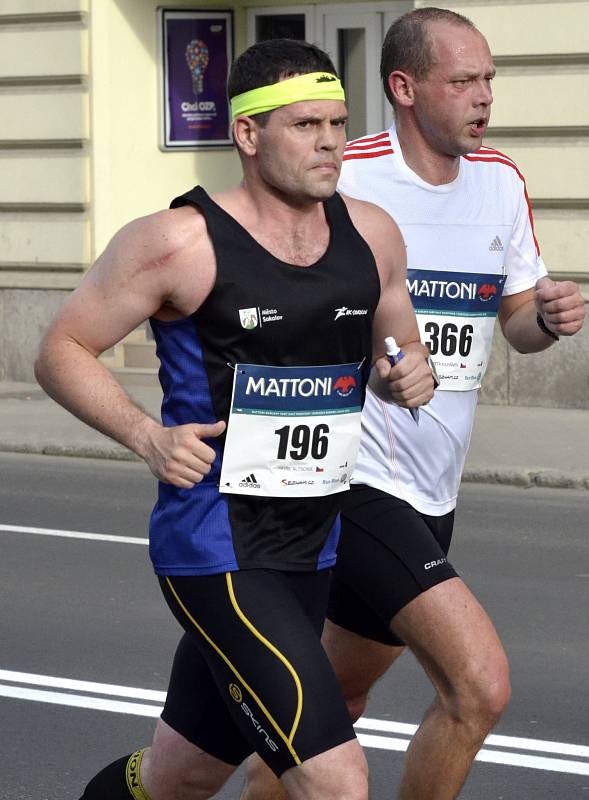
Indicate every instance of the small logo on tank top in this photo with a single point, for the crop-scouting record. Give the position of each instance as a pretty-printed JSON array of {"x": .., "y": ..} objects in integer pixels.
[
  {"x": 270, "y": 315},
  {"x": 251, "y": 318},
  {"x": 248, "y": 318},
  {"x": 344, "y": 311},
  {"x": 496, "y": 244}
]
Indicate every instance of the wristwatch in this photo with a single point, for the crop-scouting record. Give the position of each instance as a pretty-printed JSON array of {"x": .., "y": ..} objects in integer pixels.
[{"x": 544, "y": 328}]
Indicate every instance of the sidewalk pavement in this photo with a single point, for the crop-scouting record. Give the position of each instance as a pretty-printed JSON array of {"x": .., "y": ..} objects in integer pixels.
[{"x": 510, "y": 445}]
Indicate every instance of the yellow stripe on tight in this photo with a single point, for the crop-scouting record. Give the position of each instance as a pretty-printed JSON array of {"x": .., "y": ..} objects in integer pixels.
[
  {"x": 218, "y": 650},
  {"x": 274, "y": 650}
]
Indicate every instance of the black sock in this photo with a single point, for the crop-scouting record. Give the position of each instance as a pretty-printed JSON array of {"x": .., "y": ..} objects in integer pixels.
[{"x": 118, "y": 781}]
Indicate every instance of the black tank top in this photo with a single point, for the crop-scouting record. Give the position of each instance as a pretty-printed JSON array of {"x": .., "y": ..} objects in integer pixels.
[{"x": 261, "y": 311}]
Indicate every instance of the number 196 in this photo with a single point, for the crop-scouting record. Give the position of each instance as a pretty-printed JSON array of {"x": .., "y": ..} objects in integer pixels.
[{"x": 301, "y": 440}]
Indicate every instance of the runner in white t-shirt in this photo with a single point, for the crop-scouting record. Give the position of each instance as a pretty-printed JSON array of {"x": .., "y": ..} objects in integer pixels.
[
  {"x": 469, "y": 242},
  {"x": 464, "y": 214}
]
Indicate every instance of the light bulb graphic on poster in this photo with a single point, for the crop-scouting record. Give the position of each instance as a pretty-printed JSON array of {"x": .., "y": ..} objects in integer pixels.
[
  {"x": 197, "y": 59},
  {"x": 197, "y": 49}
]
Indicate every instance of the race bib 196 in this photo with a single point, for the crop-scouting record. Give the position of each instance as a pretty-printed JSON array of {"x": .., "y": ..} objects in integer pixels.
[
  {"x": 293, "y": 431},
  {"x": 456, "y": 314}
]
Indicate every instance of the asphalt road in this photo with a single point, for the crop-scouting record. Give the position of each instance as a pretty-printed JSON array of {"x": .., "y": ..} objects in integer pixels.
[{"x": 81, "y": 609}]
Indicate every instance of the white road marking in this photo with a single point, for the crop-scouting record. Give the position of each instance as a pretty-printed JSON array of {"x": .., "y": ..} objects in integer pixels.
[
  {"x": 17, "y": 685},
  {"x": 493, "y": 756},
  {"x": 80, "y": 701},
  {"x": 81, "y": 686},
  {"x": 98, "y": 537},
  {"x": 519, "y": 743}
]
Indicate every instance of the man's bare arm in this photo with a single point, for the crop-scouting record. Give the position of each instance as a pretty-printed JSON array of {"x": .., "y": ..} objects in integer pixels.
[
  {"x": 137, "y": 275},
  {"x": 560, "y": 305},
  {"x": 409, "y": 383}
]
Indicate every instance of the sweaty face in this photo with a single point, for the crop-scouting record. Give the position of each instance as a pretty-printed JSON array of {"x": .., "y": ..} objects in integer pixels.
[
  {"x": 453, "y": 104},
  {"x": 301, "y": 147}
]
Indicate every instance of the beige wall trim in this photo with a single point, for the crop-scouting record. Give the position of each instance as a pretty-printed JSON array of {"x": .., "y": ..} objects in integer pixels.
[
  {"x": 579, "y": 277},
  {"x": 533, "y": 132},
  {"x": 47, "y": 281},
  {"x": 561, "y": 203},
  {"x": 54, "y": 17},
  {"x": 41, "y": 267},
  {"x": 44, "y": 208},
  {"x": 43, "y": 144},
  {"x": 451, "y": 3},
  {"x": 542, "y": 60},
  {"x": 43, "y": 80}
]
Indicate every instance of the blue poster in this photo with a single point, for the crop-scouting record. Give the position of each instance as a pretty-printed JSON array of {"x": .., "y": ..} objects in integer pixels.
[{"x": 197, "y": 51}]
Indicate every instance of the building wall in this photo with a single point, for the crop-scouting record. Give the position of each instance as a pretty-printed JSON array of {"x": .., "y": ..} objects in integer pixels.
[
  {"x": 44, "y": 168},
  {"x": 131, "y": 176},
  {"x": 540, "y": 118},
  {"x": 540, "y": 115},
  {"x": 79, "y": 154}
]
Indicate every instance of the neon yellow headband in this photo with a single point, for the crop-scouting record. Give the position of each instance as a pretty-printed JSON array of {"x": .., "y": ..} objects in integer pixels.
[{"x": 312, "y": 86}]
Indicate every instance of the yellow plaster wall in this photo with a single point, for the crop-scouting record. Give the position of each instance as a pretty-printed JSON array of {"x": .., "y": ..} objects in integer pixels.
[
  {"x": 41, "y": 6},
  {"x": 542, "y": 94},
  {"x": 536, "y": 26},
  {"x": 131, "y": 176},
  {"x": 44, "y": 163}
]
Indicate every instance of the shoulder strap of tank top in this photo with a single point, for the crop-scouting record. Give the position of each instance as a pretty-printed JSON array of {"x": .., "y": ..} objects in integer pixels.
[
  {"x": 221, "y": 226},
  {"x": 196, "y": 196},
  {"x": 344, "y": 233},
  {"x": 336, "y": 210}
]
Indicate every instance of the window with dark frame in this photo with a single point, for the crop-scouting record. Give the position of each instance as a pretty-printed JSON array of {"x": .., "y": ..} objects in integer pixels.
[{"x": 280, "y": 26}]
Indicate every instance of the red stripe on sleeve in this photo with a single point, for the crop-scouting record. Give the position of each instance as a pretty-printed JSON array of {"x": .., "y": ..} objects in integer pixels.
[
  {"x": 350, "y": 156},
  {"x": 363, "y": 139},
  {"x": 484, "y": 150},
  {"x": 354, "y": 146}
]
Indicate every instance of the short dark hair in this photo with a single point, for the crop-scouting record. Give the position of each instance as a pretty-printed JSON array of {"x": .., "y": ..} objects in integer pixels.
[
  {"x": 273, "y": 60},
  {"x": 408, "y": 46}
]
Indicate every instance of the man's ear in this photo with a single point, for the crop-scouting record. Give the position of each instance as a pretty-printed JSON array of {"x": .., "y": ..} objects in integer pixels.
[
  {"x": 245, "y": 135},
  {"x": 402, "y": 88}
]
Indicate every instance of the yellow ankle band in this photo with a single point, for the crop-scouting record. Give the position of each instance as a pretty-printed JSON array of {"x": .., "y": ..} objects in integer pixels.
[{"x": 134, "y": 776}]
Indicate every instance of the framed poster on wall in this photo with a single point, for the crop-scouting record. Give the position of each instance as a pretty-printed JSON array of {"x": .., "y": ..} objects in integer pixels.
[{"x": 196, "y": 50}]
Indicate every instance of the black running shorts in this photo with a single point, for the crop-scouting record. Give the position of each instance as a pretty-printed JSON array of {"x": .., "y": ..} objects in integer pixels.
[
  {"x": 388, "y": 555},
  {"x": 250, "y": 674}
]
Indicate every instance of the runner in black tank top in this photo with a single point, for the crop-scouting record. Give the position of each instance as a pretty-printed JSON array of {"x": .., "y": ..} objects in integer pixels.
[
  {"x": 279, "y": 352},
  {"x": 295, "y": 311}
]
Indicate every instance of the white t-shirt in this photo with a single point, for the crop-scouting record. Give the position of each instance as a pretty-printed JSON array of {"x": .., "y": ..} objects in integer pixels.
[{"x": 468, "y": 242}]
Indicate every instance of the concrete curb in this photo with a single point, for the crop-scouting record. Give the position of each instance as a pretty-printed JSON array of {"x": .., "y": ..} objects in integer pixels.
[
  {"x": 522, "y": 477},
  {"x": 113, "y": 452},
  {"x": 526, "y": 478}
]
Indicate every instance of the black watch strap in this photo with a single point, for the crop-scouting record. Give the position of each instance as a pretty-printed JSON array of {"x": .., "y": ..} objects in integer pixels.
[
  {"x": 432, "y": 366},
  {"x": 544, "y": 328}
]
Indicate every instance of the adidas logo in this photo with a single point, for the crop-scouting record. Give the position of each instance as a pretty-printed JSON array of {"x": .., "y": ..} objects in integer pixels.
[
  {"x": 250, "y": 482},
  {"x": 496, "y": 244}
]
